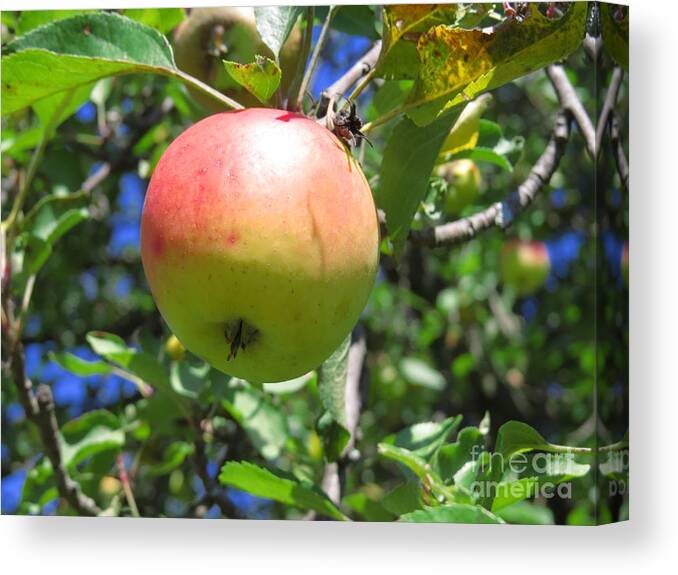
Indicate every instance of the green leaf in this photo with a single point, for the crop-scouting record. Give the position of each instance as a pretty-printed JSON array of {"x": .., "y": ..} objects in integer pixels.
[
  {"x": 289, "y": 386},
  {"x": 404, "y": 498},
  {"x": 260, "y": 78},
  {"x": 48, "y": 223},
  {"x": 466, "y": 130},
  {"x": 163, "y": 19},
  {"x": 426, "y": 437},
  {"x": 47, "y": 107},
  {"x": 79, "y": 366},
  {"x": 77, "y": 51},
  {"x": 449, "y": 459},
  {"x": 332, "y": 425},
  {"x": 279, "y": 487},
  {"x": 33, "y": 18},
  {"x": 517, "y": 437},
  {"x": 355, "y": 20},
  {"x": 188, "y": 380},
  {"x": 39, "y": 488},
  {"x": 332, "y": 382},
  {"x": 481, "y": 154},
  {"x": 334, "y": 436},
  {"x": 264, "y": 423},
  {"x": 525, "y": 513},
  {"x": 139, "y": 363},
  {"x": 93, "y": 432},
  {"x": 615, "y": 34},
  {"x": 369, "y": 509},
  {"x": 456, "y": 64},
  {"x": 174, "y": 457},
  {"x": 418, "y": 372},
  {"x": 452, "y": 513},
  {"x": 409, "y": 157},
  {"x": 410, "y": 460},
  {"x": 274, "y": 24}
]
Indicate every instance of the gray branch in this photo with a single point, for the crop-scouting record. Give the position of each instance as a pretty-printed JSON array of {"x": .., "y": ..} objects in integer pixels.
[
  {"x": 361, "y": 68},
  {"x": 570, "y": 101},
  {"x": 39, "y": 408},
  {"x": 502, "y": 214}
]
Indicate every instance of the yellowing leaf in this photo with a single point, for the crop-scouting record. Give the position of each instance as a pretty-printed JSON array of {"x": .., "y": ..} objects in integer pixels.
[
  {"x": 457, "y": 64},
  {"x": 261, "y": 78}
]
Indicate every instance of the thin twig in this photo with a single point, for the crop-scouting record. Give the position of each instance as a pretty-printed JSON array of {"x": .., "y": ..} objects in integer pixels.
[
  {"x": 127, "y": 487},
  {"x": 314, "y": 57},
  {"x": 570, "y": 101},
  {"x": 502, "y": 214}
]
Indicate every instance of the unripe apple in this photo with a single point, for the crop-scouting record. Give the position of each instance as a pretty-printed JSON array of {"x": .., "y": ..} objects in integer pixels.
[
  {"x": 259, "y": 240},
  {"x": 463, "y": 177},
  {"x": 210, "y": 35},
  {"x": 625, "y": 263},
  {"x": 524, "y": 265}
]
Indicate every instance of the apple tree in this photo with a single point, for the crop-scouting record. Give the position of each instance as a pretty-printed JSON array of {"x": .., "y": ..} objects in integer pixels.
[{"x": 385, "y": 262}]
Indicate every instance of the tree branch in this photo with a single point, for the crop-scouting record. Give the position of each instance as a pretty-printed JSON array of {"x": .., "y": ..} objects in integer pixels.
[
  {"x": 360, "y": 69},
  {"x": 570, "y": 101},
  {"x": 502, "y": 214},
  {"x": 39, "y": 408}
]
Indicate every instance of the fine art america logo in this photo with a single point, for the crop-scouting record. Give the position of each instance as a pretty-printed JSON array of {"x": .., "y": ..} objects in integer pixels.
[{"x": 540, "y": 474}]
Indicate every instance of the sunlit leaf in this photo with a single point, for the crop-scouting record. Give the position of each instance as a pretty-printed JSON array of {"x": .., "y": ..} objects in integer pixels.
[
  {"x": 77, "y": 51},
  {"x": 279, "y": 487},
  {"x": 451, "y": 513},
  {"x": 261, "y": 78}
]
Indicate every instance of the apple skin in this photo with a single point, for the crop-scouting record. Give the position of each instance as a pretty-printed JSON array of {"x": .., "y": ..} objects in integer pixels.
[
  {"x": 260, "y": 216},
  {"x": 464, "y": 179},
  {"x": 524, "y": 265},
  {"x": 236, "y": 28}
]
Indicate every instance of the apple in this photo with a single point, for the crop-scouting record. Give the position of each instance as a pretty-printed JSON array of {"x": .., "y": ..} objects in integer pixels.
[
  {"x": 464, "y": 179},
  {"x": 260, "y": 241},
  {"x": 210, "y": 35},
  {"x": 625, "y": 263},
  {"x": 524, "y": 265}
]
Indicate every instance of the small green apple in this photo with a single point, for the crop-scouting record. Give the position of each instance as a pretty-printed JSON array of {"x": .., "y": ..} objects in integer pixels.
[
  {"x": 210, "y": 35},
  {"x": 524, "y": 265},
  {"x": 463, "y": 177},
  {"x": 260, "y": 242}
]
